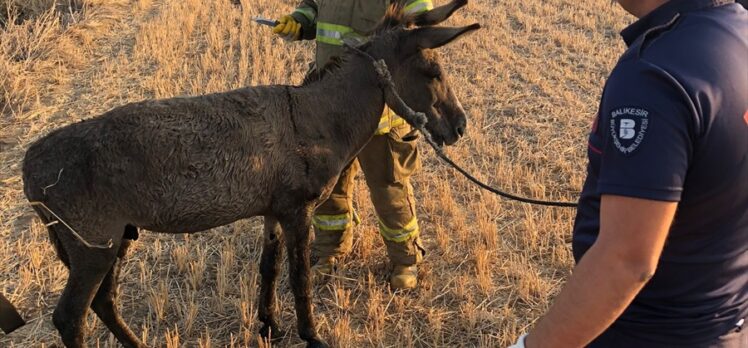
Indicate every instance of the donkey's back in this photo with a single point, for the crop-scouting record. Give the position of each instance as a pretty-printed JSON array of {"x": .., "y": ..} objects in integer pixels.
[{"x": 171, "y": 165}]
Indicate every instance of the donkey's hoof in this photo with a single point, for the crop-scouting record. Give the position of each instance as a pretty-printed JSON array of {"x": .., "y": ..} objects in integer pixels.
[
  {"x": 317, "y": 343},
  {"x": 271, "y": 331}
]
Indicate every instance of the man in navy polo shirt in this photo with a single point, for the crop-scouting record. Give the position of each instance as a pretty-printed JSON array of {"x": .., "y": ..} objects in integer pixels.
[{"x": 661, "y": 233}]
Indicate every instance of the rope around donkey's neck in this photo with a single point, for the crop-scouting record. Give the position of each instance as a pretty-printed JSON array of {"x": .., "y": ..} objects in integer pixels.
[{"x": 418, "y": 121}]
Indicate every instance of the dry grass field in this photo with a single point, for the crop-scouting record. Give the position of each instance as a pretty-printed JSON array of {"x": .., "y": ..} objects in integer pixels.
[{"x": 530, "y": 81}]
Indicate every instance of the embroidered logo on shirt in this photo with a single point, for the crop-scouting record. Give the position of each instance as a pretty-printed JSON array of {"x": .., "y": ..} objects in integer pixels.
[{"x": 628, "y": 126}]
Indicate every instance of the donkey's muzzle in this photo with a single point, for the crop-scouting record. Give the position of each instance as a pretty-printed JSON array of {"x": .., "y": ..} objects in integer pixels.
[{"x": 460, "y": 129}]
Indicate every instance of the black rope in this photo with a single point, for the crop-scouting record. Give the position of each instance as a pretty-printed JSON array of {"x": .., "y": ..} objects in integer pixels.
[
  {"x": 418, "y": 120},
  {"x": 440, "y": 152}
]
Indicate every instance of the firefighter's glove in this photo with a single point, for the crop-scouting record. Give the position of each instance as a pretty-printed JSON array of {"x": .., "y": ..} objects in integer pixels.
[{"x": 288, "y": 28}]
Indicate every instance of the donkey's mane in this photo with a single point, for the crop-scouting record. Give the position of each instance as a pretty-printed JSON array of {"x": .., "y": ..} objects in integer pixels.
[
  {"x": 395, "y": 17},
  {"x": 331, "y": 67}
]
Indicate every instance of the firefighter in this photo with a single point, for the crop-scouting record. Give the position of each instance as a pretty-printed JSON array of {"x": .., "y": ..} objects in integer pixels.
[{"x": 387, "y": 161}]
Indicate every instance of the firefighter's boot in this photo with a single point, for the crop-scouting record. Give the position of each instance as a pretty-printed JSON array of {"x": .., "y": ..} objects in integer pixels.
[
  {"x": 404, "y": 258},
  {"x": 329, "y": 247},
  {"x": 323, "y": 268},
  {"x": 404, "y": 277}
]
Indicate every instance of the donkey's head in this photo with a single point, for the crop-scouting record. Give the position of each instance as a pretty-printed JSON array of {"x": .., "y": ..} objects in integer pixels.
[{"x": 407, "y": 44}]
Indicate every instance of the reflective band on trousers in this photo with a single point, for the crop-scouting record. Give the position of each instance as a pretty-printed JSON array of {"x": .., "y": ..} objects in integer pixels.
[
  {"x": 401, "y": 234},
  {"x": 418, "y": 6},
  {"x": 339, "y": 222},
  {"x": 333, "y": 34}
]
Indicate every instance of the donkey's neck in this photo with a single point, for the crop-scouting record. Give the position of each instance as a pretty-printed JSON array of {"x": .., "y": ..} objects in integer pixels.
[{"x": 346, "y": 105}]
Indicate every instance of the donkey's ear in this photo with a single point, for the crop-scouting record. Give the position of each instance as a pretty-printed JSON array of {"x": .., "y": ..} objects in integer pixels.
[
  {"x": 439, "y": 14},
  {"x": 433, "y": 37}
]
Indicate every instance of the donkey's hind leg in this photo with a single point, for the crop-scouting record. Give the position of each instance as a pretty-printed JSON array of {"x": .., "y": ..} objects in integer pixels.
[
  {"x": 269, "y": 267},
  {"x": 296, "y": 230},
  {"x": 105, "y": 303},
  {"x": 87, "y": 268}
]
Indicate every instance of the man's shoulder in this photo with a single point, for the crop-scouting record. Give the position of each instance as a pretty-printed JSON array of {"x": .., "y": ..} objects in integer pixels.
[
  {"x": 694, "y": 56},
  {"x": 700, "y": 37},
  {"x": 642, "y": 78}
]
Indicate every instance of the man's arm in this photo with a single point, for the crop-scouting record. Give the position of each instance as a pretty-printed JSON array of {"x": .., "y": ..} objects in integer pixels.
[
  {"x": 610, "y": 274},
  {"x": 306, "y": 15}
]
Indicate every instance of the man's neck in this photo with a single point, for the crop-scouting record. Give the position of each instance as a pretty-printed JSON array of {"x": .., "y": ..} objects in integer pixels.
[{"x": 641, "y": 8}]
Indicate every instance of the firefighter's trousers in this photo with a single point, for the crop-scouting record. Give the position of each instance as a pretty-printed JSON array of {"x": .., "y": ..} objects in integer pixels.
[{"x": 387, "y": 162}]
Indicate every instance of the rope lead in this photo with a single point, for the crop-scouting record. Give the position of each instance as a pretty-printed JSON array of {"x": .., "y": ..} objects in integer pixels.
[{"x": 418, "y": 121}]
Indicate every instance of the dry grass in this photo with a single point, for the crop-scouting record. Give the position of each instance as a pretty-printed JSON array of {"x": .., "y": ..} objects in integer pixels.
[
  {"x": 529, "y": 80},
  {"x": 15, "y": 11}
]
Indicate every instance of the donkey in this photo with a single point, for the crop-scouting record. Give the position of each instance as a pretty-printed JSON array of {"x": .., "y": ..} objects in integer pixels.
[{"x": 187, "y": 164}]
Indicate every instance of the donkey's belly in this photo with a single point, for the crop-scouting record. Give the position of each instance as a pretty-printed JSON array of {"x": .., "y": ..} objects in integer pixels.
[
  {"x": 187, "y": 208},
  {"x": 195, "y": 219},
  {"x": 185, "y": 226}
]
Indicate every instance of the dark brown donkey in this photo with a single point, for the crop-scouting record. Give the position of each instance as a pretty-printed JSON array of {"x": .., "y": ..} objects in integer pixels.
[{"x": 184, "y": 165}]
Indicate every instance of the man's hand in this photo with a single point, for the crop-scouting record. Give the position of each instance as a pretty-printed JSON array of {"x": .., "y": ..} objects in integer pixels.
[
  {"x": 611, "y": 273},
  {"x": 520, "y": 342},
  {"x": 288, "y": 28}
]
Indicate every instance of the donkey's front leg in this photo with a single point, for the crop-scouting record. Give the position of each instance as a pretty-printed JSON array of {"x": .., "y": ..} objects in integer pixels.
[
  {"x": 272, "y": 250},
  {"x": 296, "y": 232}
]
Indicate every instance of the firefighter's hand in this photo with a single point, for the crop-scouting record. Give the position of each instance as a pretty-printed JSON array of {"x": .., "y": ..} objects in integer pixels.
[{"x": 288, "y": 28}]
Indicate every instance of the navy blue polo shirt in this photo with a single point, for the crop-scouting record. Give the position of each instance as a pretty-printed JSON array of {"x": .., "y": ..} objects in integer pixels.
[{"x": 673, "y": 126}]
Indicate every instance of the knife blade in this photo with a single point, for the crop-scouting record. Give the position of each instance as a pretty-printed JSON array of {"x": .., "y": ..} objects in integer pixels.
[{"x": 265, "y": 21}]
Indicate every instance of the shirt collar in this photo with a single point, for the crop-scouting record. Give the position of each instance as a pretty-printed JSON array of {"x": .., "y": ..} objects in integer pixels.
[{"x": 664, "y": 14}]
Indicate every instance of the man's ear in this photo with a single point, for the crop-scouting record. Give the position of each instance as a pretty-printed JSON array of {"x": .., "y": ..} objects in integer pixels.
[
  {"x": 439, "y": 14},
  {"x": 432, "y": 37}
]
